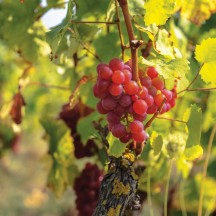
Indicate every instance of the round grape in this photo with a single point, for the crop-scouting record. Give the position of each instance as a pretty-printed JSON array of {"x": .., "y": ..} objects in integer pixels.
[{"x": 140, "y": 106}]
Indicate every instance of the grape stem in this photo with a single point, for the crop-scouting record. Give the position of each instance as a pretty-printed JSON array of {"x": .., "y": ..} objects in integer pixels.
[
  {"x": 148, "y": 124},
  {"x": 134, "y": 44}
]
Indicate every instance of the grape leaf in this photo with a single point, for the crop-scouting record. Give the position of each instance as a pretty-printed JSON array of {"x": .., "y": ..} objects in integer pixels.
[
  {"x": 56, "y": 34},
  {"x": 85, "y": 127},
  {"x": 162, "y": 41},
  {"x": 197, "y": 11},
  {"x": 157, "y": 12},
  {"x": 116, "y": 148},
  {"x": 193, "y": 152},
  {"x": 205, "y": 53},
  {"x": 171, "y": 70},
  {"x": 55, "y": 130},
  {"x": 194, "y": 126}
]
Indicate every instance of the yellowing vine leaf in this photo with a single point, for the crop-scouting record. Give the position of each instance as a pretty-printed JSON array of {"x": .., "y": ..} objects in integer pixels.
[
  {"x": 157, "y": 12},
  {"x": 206, "y": 54},
  {"x": 162, "y": 42},
  {"x": 197, "y": 11},
  {"x": 193, "y": 152}
]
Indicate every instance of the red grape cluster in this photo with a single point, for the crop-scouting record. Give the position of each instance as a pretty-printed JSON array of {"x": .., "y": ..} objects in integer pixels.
[
  {"x": 87, "y": 187},
  {"x": 125, "y": 102},
  {"x": 71, "y": 118}
]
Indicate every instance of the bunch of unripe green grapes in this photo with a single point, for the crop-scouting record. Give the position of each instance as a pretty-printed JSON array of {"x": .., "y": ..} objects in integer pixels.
[{"x": 127, "y": 103}]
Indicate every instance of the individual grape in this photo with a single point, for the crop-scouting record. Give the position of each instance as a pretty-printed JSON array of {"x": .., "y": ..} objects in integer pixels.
[
  {"x": 140, "y": 117},
  {"x": 113, "y": 118},
  {"x": 116, "y": 64},
  {"x": 131, "y": 88},
  {"x": 136, "y": 126},
  {"x": 158, "y": 83},
  {"x": 149, "y": 100},
  {"x": 119, "y": 110},
  {"x": 140, "y": 106},
  {"x": 126, "y": 138},
  {"x": 134, "y": 97},
  {"x": 152, "y": 73},
  {"x": 118, "y": 130},
  {"x": 109, "y": 103},
  {"x": 115, "y": 89},
  {"x": 101, "y": 65},
  {"x": 164, "y": 108},
  {"x": 127, "y": 67},
  {"x": 118, "y": 77},
  {"x": 168, "y": 94},
  {"x": 103, "y": 85},
  {"x": 129, "y": 63},
  {"x": 105, "y": 73},
  {"x": 146, "y": 81},
  {"x": 97, "y": 93},
  {"x": 139, "y": 137},
  {"x": 100, "y": 108},
  {"x": 172, "y": 103},
  {"x": 130, "y": 109},
  {"x": 158, "y": 99},
  {"x": 152, "y": 109},
  {"x": 152, "y": 91},
  {"x": 128, "y": 76},
  {"x": 168, "y": 106},
  {"x": 143, "y": 93},
  {"x": 125, "y": 100}
]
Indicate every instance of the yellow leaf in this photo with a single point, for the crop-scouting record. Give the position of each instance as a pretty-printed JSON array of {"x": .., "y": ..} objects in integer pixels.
[
  {"x": 206, "y": 52},
  {"x": 157, "y": 12},
  {"x": 197, "y": 11},
  {"x": 193, "y": 152}
]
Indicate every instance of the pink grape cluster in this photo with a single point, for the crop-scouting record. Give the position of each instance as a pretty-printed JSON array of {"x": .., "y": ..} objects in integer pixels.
[
  {"x": 87, "y": 187},
  {"x": 125, "y": 102}
]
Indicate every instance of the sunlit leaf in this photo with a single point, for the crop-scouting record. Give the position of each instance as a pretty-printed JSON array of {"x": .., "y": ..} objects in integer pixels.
[
  {"x": 157, "y": 12},
  {"x": 116, "y": 148}
]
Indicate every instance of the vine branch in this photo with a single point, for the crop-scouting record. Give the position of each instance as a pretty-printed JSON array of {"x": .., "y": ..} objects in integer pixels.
[{"x": 134, "y": 44}]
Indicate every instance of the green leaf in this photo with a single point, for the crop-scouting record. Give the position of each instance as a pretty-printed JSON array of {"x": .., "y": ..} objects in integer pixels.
[
  {"x": 116, "y": 148},
  {"x": 56, "y": 34},
  {"x": 157, "y": 12},
  {"x": 194, "y": 124},
  {"x": 171, "y": 70},
  {"x": 111, "y": 11},
  {"x": 85, "y": 127},
  {"x": 55, "y": 131},
  {"x": 162, "y": 41},
  {"x": 206, "y": 55},
  {"x": 193, "y": 152}
]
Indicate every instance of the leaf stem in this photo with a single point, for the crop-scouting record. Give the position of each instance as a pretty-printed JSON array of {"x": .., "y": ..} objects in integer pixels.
[
  {"x": 191, "y": 83},
  {"x": 205, "y": 170},
  {"x": 170, "y": 119},
  {"x": 134, "y": 44},
  {"x": 167, "y": 189}
]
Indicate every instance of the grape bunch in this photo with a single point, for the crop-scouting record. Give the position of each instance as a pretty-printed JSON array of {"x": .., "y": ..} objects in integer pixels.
[
  {"x": 87, "y": 187},
  {"x": 126, "y": 102}
]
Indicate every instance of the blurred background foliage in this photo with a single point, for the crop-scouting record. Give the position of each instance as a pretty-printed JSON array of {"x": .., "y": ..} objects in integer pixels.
[{"x": 39, "y": 70}]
